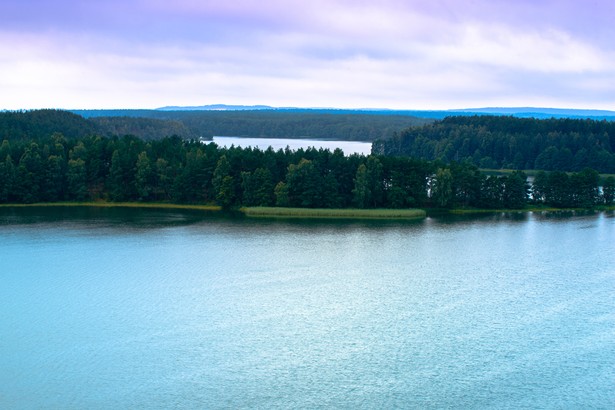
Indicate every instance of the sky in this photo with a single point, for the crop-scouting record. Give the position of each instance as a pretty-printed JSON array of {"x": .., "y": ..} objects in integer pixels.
[{"x": 414, "y": 54}]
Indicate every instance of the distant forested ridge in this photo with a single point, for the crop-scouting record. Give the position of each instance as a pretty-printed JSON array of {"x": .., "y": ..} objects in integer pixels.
[
  {"x": 56, "y": 168},
  {"x": 509, "y": 142},
  {"x": 145, "y": 128},
  {"x": 38, "y": 124},
  {"x": 35, "y": 124},
  {"x": 341, "y": 125},
  {"x": 152, "y": 124}
]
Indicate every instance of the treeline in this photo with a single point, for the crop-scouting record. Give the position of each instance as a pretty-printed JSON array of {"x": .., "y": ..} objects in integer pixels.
[
  {"x": 510, "y": 142},
  {"x": 144, "y": 128},
  {"x": 39, "y": 124},
  {"x": 153, "y": 124},
  {"x": 173, "y": 170}
]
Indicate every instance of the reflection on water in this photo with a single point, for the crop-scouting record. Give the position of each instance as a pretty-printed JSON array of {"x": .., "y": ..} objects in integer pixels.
[{"x": 128, "y": 308}]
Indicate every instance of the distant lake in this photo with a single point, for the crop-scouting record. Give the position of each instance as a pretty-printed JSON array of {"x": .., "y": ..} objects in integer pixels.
[
  {"x": 146, "y": 309},
  {"x": 349, "y": 147}
]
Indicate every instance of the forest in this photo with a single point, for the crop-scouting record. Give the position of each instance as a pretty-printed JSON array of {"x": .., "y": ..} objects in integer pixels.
[
  {"x": 493, "y": 142},
  {"x": 337, "y": 125},
  {"x": 37, "y": 124},
  {"x": 340, "y": 125},
  {"x": 171, "y": 169}
]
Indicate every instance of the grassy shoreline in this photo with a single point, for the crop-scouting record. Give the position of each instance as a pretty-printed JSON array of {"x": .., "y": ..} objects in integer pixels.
[
  {"x": 274, "y": 212},
  {"x": 309, "y": 213}
]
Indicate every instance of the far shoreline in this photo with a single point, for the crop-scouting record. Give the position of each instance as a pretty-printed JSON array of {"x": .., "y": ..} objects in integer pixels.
[{"x": 310, "y": 213}]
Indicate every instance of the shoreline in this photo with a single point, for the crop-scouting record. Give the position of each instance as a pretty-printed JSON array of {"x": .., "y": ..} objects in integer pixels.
[
  {"x": 147, "y": 205},
  {"x": 310, "y": 213},
  {"x": 336, "y": 213}
]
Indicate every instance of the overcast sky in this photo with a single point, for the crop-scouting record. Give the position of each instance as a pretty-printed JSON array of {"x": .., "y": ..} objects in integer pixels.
[{"x": 415, "y": 54}]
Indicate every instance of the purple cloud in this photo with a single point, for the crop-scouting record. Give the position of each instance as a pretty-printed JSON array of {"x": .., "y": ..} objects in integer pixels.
[{"x": 401, "y": 54}]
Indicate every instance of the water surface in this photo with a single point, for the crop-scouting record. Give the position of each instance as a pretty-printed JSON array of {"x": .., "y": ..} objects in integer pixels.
[
  {"x": 349, "y": 147},
  {"x": 108, "y": 308}
]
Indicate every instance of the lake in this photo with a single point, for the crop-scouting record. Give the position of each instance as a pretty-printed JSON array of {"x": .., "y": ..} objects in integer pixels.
[
  {"x": 124, "y": 308},
  {"x": 349, "y": 147}
]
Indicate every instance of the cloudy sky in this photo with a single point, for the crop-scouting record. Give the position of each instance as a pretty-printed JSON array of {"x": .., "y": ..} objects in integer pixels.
[{"x": 413, "y": 54}]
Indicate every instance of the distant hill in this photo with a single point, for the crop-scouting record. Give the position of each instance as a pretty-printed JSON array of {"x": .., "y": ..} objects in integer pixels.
[
  {"x": 43, "y": 123},
  {"x": 144, "y": 128},
  {"x": 253, "y": 121},
  {"x": 153, "y": 124},
  {"x": 527, "y": 112},
  {"x": 345, "y": 125},
  {"x": 39, "y": 124},
  {"x": 522, "y": 112},
  {"x": 217, "y": 107}
]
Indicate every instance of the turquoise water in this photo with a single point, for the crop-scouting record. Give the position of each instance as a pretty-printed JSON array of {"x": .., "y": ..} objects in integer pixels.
[{"x": 116, "y": 308}]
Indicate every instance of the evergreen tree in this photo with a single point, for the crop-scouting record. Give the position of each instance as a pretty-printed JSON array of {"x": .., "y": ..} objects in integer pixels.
[
  {"x": 223, "y": 182},
  {"x": 7, "y": 179},
  {"x": 76, "y": 179},
  {"x": 304, "y": 185},
  {"x": 116, "y": 178},
  {"x": 29, "y": 175},
  {"x": 516, "y": 190},
  {"x": 226, "y": 193},
  {"x": 281, "y": 194},
  {"x": 144, "y": 177},
  {"x": 362, "y": 195},
  {"x": 54, "y": 179}
]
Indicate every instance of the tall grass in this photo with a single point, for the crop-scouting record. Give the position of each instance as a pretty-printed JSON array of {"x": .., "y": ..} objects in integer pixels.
[{"x": 271, "y": 212}]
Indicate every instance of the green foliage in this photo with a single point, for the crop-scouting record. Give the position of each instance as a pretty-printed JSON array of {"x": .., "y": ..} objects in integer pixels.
[
  {"x": 257, "y": 187},
  {"x": 76, "y": 178},
  {"x": 304, "y": 183},
  {"x": 144, "y": 178},
  {"x": 189, "y": 172},
  {"x": 281, "y": 194},
  {"x": 442, "y": 188},
  {"x": 7, "y": 179},
  {"x": 39, "y": 124},
  {"x": 362, "y": 195},
  {"x": 509, "y": 142},
  {"x": 145, "y": 128},
  {"x": 155, "y": 125},
  {"x": 321, "y": 124}
]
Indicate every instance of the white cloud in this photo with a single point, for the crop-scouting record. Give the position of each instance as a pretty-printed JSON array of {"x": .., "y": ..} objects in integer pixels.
[
  {"x": 347, "y": 56},
  {"x": 549, "y": 51}
]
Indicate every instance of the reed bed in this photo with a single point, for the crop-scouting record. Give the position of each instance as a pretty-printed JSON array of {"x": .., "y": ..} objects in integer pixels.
[{"x": 275, "y": 212}]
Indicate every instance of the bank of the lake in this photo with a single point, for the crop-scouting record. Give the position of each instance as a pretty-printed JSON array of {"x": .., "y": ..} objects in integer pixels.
[
  {"x": 278, "y": 212},
  {"x": 251, "y": 212},
  {"x": 104, "y": 204},
  {"x": 308, "y": 213}
]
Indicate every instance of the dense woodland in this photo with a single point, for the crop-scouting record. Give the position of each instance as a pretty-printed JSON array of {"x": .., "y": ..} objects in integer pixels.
[
  {"x": 57, "y": 168},
  {"x": 153, "y": 124},
  {"x": 37, "y": 124},
  {"x": 341, "y": 125},
  {"x": 489, "y": 142},
  {"x": 510, "y": 142}
]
